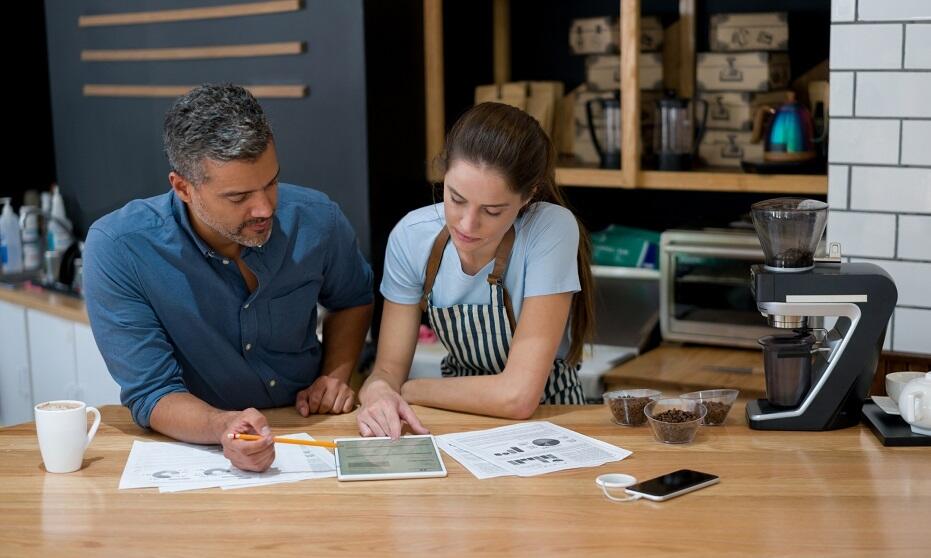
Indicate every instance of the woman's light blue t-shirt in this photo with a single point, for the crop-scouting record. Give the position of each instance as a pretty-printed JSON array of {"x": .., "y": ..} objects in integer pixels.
[{"x": 543, "y": 261}]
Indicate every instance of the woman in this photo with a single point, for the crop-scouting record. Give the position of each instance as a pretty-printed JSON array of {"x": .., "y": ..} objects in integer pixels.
[{"x": 500, "y": 267}]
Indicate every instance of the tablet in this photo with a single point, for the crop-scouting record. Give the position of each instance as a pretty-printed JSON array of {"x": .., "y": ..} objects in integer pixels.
[{"x": 409, "y": 457}]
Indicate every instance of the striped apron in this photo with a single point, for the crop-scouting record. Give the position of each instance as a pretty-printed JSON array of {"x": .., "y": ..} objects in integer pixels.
[{"x": 478, "y": 336}]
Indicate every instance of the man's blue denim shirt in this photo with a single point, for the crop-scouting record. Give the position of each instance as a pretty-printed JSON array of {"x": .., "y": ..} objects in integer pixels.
[{"x": 171, "y": 315}]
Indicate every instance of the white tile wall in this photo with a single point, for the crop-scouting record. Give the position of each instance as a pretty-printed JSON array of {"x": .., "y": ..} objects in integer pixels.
[
  {"x": 912, "y": 334},
  {"x": 893, "y": 10},
  {"x": 881, "y": 145},
  {"x": 841, "y": 94},
  {"x": 864, "y": 141},
  {"x": 918, "y": 46},
  {"x": 837, "y": 186},
  {"x": 916, "y": 142},
  {"x": 911, "y": 280},
  {"x": 915, "y": 238},
  {"x": 903, "y": 94},
  {"x": 863, "y": 234},
  {"x": 897, "y": 189},
  {"x": 866, "y": 47},
  {"x": 843, "y": 10}
]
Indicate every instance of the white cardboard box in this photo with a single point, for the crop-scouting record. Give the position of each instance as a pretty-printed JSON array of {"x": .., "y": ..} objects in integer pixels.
[
  {"x": 725, "y": 148},
  {"x": 740, "y": 32},
  {"x": 601, "y": 35},
  {"x": 742, "y": 71},
  {"x": 603, "y": 72}
]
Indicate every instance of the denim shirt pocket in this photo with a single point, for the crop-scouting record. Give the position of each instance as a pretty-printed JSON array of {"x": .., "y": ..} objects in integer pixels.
[{"x": 292, "y": 319}]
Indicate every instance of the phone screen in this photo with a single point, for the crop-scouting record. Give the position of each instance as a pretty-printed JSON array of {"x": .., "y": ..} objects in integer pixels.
[{"x": 674, "y": 482}]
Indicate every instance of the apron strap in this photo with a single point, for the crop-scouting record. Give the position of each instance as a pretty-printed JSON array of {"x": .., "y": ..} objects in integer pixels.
[
  {"x": 433, "y": 265},
  {"x": 496, "y": 277}
]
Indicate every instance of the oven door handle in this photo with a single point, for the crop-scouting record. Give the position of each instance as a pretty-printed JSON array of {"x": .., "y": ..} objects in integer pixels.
[{"x": 724, "y": 251}]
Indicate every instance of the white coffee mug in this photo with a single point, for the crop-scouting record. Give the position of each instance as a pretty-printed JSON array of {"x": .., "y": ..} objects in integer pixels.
[
  {"x": 915, "y": 404},
  {"x": 63, "y": 435}
]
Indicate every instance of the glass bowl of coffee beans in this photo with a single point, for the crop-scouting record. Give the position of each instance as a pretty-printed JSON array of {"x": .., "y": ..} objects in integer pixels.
[
  {"x": 675, "y": 420},
  {"x": 627, "y": 405},
  {"x": 717, "y": 401}
]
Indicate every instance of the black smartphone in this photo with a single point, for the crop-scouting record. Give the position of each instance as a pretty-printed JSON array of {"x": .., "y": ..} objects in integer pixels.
[{"x": 672, "y": 484}]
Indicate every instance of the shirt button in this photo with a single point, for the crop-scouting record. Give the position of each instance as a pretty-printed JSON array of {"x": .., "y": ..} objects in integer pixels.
[
  {"x": 272, "y": 383},
  {"x": 226, "y": 262},
  {"x": 244, "y": 306},
  {"x": 248, "y": 346}
]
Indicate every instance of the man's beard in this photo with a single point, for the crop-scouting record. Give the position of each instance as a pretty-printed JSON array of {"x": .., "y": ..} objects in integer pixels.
[{"x": 234, "y": 235}]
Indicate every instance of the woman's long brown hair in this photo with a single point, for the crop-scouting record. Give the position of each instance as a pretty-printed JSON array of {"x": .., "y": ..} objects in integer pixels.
[{"x": 511, "y": 142}]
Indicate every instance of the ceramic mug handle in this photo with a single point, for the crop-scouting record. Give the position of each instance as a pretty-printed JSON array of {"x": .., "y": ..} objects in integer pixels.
[
  {"x": 93, "y": 430},
  {"x": 911, "y": 410}
]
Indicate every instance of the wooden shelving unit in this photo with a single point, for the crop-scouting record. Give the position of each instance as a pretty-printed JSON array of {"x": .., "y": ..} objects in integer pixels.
[
  {"x": 700, "y": 180},
  {"x": 630, "y": 175}
]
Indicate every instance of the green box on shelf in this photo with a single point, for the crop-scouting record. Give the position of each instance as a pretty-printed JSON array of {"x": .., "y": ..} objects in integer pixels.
[{"x": 625, "y": 247}]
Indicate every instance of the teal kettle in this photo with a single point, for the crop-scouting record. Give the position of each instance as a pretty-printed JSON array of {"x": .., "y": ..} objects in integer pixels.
[{"x": 789, "y": 131}]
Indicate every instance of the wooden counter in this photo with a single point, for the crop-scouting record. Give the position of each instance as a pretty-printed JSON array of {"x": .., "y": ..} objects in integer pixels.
[
  {"x": 781, "y": 493},
  {"x": 50, "y": 302},
  {"x": 676, "y": 368}
]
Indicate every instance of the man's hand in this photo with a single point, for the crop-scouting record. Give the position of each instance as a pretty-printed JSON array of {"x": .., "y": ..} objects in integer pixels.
[
  {"x": 248, "y": 456},
  {"x": 326, "y": 395}
]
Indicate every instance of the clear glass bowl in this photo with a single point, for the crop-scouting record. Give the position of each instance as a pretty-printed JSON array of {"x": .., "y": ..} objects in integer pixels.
[
  {"x": 718, "y": 403},
  {"x": 663, "y": 415},
  {"x": 626, "y": 405}
]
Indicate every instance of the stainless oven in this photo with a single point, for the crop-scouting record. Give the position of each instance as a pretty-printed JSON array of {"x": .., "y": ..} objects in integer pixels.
[{"x": 705, "y": 287}]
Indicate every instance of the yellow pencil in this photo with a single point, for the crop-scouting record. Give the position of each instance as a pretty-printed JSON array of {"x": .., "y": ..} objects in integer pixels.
[{"x": 280, "y": 440}]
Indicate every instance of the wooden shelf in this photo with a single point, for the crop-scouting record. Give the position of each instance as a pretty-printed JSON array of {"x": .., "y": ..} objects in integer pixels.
[
  {"x": 630, "y": 175},
  {"x": 700, "y": 180},
  {"x": 599, "y": 178}
]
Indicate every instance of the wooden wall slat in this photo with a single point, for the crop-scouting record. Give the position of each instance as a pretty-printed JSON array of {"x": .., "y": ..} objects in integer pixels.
[
  {"x": 190, "y": 14},
  {"x": 260, "y": 91},
  {"x": 192, "y": 53}
]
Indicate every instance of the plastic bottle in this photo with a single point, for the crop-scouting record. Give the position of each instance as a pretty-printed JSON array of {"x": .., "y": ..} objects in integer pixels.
[
  {"x": 59, "y": 227},
  {"x": 32, "y": 237},
  {"x": 11, "y": 241}
]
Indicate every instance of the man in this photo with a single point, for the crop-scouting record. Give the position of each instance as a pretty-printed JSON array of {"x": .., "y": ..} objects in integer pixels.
[{"x": 203, "y": 300}]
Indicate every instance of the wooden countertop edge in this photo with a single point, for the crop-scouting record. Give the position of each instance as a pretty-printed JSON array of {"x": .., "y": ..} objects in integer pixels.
[{"x": 58, "y": 305}]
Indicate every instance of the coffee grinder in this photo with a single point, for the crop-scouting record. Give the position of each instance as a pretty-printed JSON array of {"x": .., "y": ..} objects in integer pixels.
[{"x": 816, "y": 379}]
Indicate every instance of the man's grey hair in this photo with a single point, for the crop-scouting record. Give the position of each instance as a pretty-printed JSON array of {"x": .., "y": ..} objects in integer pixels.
[{"x": 222, "y": 122}]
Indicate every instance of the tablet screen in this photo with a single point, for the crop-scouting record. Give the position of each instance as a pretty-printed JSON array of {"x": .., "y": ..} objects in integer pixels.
[{"x": 383, "y": 458}]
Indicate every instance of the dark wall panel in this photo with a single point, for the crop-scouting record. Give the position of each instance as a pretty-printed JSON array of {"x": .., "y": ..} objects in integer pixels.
[{"x": 109, "y": 150}]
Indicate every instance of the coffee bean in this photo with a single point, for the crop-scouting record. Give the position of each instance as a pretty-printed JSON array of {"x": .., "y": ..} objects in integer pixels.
[
  {"x": 676, "y": 415},
  {"x": 794, "y": 257},
  {"x": 717, "y": 412},
  {"x": 675, "y": 425},
  {"x": 628, "y": 410}
]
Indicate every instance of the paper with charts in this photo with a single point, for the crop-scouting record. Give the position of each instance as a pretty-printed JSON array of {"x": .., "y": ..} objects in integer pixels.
[
  {"x": 527, "y": 449},
  {"x": 173, "y": 467}
]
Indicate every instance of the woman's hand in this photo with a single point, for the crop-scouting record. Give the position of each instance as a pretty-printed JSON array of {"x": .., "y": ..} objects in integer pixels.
[{"x": 383, "y": 413}]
